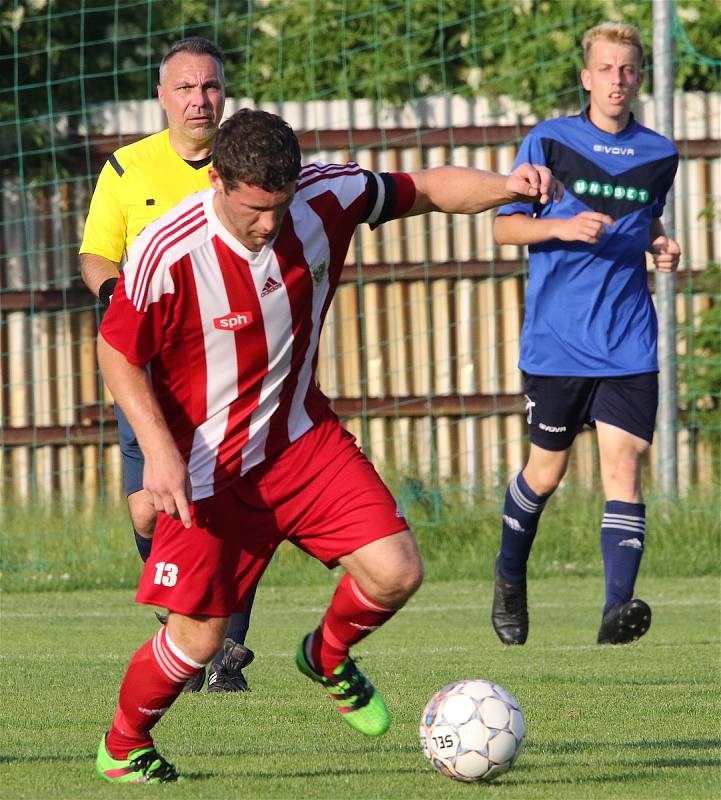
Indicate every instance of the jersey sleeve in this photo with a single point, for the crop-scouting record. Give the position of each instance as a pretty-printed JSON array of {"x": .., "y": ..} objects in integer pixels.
[
  {"x": 668, "y": 171},
  {"x": 530, "y": 151},
  {"x": 107, "y": 222},
  {"x": 390, "y": 195},
  {"x": 141, "y": 306}
]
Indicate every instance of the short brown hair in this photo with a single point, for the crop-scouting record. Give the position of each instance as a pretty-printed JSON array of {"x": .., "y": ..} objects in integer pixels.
[
  {"x": 257, "y": 148},
  {"x": 614, "y": 32}
]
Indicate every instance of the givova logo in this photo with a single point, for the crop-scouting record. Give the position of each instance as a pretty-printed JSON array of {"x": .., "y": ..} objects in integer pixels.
[{"x": 608, "y": 190}]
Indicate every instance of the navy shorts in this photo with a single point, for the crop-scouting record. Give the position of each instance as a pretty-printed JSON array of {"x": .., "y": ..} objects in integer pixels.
[
  {"x": 558, "y": 407},
  {"x": 133, "y": 459}
]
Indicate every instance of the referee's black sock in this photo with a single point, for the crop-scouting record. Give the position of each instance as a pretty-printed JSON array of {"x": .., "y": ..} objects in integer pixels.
[{"x": 143, "y": 546}]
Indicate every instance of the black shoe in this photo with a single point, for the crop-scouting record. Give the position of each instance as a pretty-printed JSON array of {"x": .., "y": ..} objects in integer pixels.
[
  {"x": 625, "y": 622},
  {"x": 196, "y": 683},
  {"x": 510, "y": 610},
  {"x": 228, "y": 675}
]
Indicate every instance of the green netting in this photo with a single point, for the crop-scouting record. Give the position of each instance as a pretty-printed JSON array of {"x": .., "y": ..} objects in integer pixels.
[{"x": 430, "y": 313}]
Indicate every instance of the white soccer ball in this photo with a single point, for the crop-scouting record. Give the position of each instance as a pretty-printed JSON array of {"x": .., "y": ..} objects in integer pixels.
[{"x": 472, "y": 730}]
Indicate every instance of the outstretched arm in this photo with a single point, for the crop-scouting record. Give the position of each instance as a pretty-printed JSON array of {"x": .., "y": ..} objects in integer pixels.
[
  {"x": 461, "y": 190},
  {"x": 165, "y": 475},
  {"x": 588, "y": 227}
]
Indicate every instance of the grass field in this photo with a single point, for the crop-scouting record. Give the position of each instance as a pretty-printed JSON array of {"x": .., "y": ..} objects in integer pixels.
[
  {"x": 640, "y": 721},
  {"x": 65, "y": 549}
]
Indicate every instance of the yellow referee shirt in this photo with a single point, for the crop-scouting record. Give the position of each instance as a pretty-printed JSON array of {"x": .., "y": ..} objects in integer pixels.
[{"x": 138, "y": 183}]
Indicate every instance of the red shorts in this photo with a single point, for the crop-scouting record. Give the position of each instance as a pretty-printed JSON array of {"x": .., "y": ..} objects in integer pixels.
[{"x": 321, "y": 493}]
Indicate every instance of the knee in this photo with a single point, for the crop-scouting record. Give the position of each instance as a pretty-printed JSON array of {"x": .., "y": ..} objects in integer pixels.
[
  {"x": 399, "y": 586},
  {"x": 142, "y": 514},
  {"x": 199, "y": 638},
  {"x": 544, "y": 480}
]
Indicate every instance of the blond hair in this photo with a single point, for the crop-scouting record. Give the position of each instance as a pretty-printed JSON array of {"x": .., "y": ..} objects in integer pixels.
[{"x": 614, "y": 32}]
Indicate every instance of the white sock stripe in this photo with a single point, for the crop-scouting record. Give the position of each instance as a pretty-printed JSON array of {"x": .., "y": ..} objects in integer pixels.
[
  {"x": 177, "y": 670},
  {"x": 621, "y": 527},
  {"x": 170, "y": 667},
  {"x": 170, "y": 672},
  {"x": 627, "y": 517},
  {"x": 179, "y": 654},
  {"x": 613, "y": 520},
  {"x": 521, "y": 500},
  {"x": 366, "y": 601}
]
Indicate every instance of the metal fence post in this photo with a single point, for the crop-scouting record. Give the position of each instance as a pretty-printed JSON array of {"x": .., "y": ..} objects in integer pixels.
[{"x": 663, "y": 92}]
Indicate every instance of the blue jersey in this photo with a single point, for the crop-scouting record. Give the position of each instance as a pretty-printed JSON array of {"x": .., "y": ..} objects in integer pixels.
[{"x": 589, "y": 312}]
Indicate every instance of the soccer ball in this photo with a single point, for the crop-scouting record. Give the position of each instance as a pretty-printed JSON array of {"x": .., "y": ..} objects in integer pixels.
[{"x": 472, "y": 730}]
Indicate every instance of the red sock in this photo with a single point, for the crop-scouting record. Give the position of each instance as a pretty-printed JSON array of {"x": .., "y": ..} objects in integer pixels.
[
  {"x": 155, "y": 677},
  {"x": 351, "y": 617}
]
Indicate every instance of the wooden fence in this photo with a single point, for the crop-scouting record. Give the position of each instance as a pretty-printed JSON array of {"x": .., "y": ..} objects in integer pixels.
[{"x": 420, "y": 346}]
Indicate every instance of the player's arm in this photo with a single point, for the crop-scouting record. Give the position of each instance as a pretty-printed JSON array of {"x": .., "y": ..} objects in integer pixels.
[
  {"x": 165, "y": 475},
  {"x": 666, "y": 252},
  {"x": 100, "y": 275},
  {"x": 461, "y": 190},
  {"x": 588, "y": 227}
]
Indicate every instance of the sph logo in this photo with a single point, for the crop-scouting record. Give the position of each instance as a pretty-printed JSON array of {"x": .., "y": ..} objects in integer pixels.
[{"x": 233, "y": 321}]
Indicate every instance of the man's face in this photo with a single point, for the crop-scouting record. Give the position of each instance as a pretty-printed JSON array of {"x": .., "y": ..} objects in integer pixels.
[
  {"x": 250, "y": 213},
  {"x": 193, "y": 96},
  {"x": 612, "y": 76}
]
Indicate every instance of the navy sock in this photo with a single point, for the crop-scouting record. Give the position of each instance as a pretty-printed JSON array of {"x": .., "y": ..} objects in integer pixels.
[
  {"x": 521, "y": 511},
  {"x": 143, "y": 545},
  {"x": 622, "y": 534},
  {"x": 238, "y": 626}
]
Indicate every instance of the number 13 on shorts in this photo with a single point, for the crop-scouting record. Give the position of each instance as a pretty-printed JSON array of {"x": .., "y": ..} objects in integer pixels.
[{"x": 165, "y": 574}]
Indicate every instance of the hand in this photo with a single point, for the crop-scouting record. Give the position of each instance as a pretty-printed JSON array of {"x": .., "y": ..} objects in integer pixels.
[
  {"x": 666, "y": 254},
  {"x": 166, "y": 479},
  {"x": 588, "y": 227},
  {"x": 533, "y": 183}
]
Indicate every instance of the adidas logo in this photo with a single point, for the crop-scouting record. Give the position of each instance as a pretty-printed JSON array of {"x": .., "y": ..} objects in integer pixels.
[
  {"x": 513, "y": 524},
  {"x": 634, "y": 543},
  {"x": 270, "y": 286}
]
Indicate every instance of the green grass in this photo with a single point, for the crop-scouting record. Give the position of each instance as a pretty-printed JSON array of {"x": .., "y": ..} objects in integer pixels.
[
  {"x": 72, "y": 549},
  {"x": 640, "y": 721}
]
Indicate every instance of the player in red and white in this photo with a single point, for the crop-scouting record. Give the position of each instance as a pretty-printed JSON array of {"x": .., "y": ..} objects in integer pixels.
[{"x": 223, "y": 298}]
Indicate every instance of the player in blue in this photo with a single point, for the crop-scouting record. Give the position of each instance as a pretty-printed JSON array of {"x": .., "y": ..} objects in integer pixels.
[{"x": 588, "y": 345}]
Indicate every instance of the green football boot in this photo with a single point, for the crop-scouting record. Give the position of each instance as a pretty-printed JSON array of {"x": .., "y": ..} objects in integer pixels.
[
  {"x": 356, "y": 698},
  {"x": 143, "y": 765}
]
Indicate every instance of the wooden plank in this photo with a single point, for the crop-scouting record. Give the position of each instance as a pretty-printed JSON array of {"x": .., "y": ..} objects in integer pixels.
[
  {"x": 491, "y": 463},
  {"x": 403, "y": 271},
  {"x": 511, "y": 314},
  {"x": 328, "y": 370},
  {"x": 441, "y": 332},
  {"x": 113, "y": 473},
  {"x": 98, "y": 424},
  {"x": 402, "y": 444},
  {"x": 445, "y": 449},
  {"x": 349, "y": 341},
  {"x": 399, "y": 368},
  {"x": 424, "y": 446},
  {"x": 489, "y": 336},
  {"x": 372, "y": 322},
  {"x": 101, "y": 146},
  {"x": 91, "y": 485},
  {"x": 420, "y": 338}
]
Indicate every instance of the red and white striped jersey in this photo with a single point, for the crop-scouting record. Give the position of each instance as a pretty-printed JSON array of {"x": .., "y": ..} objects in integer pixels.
[{"x": 231, "y": 335}]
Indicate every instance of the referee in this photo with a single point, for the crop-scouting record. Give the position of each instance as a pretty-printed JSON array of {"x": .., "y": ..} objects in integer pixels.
[{"x": 139, "y": 183}]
